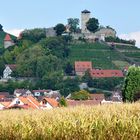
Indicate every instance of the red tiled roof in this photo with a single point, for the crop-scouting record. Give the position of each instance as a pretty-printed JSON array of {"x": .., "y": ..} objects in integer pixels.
[
  {"x": 30, "y": 101},
  {"x": 97, "y": 96},
  {"x": 86, "y": 102},
  {"x": 4, "y": 93},
  {"x": 82, "y": 66},
  {"x": 7, "y": 38},
  {"x": 5, "y": 104},
  {"x": 106, "y": 73},
  {"x": 52, "y": 102}
]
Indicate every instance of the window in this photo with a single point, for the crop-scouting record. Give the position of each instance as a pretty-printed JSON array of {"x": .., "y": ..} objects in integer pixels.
[{"x": 18, "y": 102}]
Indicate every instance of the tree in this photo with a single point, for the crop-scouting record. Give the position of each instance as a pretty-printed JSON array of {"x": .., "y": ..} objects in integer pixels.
[
  {"x": 68, "y": 86},
  {"x": 1, "y": 66},
  {"x": 92, "y": 24},
  {"x": 1, "y": 27},
  {"x": 34, "y": 35},
  {"x": 60, "y": 28},
  {"x": 63, "y": 102},
  {"x": 81, "y": 95},
  {"x": 88, "y": 79},
  {"x": 8, "y": 57},
  {"x": 131, "y": 87},
  {"x": 73, "y": 23},
  {"x": 69, "y": 69},
  {"x": 52, "y": 80}
]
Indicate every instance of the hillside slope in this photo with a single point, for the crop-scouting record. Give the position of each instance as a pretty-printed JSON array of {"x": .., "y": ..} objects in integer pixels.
[{"x": 102, "y": 56}]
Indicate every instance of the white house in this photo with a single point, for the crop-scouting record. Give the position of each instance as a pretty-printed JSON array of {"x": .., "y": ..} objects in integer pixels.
[
  {"x": 22, "y": 92},
  {"x": 49, "y": 103},
  {"x": 8, "y": 41},
  {"x": 48, "y": 93},
  {"x": 8, "y": 71},
  {"x": 1, "y": 106},
  {"x": 25, "y": 102}
]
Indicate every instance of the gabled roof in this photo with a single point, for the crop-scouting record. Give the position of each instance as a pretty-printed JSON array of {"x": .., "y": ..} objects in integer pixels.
[
  {"x": 97, "y": 96},
  {"x": 4, "y": 93},
  {"x": 86, "y": 11},
  {"x": 7, "y": 38},
  {"x": 21, "y": 91},
  {"x": 30, "y": 101},
  {"x": 52, "y": 102},
  {"x": 11, "y": 66},
  {"x": 82, "y": 66},
  {"x": 5, "y": 104},
  {"x": 106, "y": 73}
]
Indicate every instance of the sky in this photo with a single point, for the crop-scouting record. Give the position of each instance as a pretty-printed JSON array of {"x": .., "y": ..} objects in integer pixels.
[{"x": 122, "y": 15}]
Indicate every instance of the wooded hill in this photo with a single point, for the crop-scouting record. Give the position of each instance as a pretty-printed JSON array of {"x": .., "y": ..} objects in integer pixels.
[{"x": 51, "y": 60}]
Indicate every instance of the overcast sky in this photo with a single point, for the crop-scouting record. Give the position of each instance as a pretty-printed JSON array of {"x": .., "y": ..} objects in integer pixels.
[{"x": 123, "y": 15}]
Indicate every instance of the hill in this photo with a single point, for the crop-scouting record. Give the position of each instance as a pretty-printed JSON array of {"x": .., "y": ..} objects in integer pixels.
[
  {"x": 103, "y": 56},
  {"x": 2, "y": 36}
]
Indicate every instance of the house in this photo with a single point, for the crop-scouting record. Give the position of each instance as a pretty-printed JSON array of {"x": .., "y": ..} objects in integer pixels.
[
  {"x": 49, "y": 103},
  {"x": 82, "y": 66},
  {"x": 25, "y": 102},
  {"x": 96, "y": 73},
  {"x": 117, "y": 97},
  {"x": 97, "y": 97},
  {"x": 4, "y": 95},
  {"x": 22, "y": 92},
  {"x": 8, "y": 41},
  {"x": 8, "y": 71},
  {"x": 83, "y": 86},
  {"x": 47, "y": 93}
]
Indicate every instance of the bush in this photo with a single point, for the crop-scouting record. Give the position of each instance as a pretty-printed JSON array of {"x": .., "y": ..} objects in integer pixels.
[{"x": 81, "y": 95}]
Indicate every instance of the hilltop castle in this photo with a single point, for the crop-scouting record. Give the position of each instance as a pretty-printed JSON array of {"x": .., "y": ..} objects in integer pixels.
[{"x": 100, "y": 34}]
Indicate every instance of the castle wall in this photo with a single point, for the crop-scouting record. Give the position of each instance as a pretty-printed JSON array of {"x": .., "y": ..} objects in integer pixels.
[{"x": 107, "y": 32}]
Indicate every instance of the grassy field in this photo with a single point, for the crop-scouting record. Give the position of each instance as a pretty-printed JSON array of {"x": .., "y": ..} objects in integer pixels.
[{"x": 106, "y": 122}]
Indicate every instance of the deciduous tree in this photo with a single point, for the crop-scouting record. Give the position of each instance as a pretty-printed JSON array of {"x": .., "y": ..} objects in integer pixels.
[
  {"x": 131, "y": 87},
  {"x": 92, "y": 24}
]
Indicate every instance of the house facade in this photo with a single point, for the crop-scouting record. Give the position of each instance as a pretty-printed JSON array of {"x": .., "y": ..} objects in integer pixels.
[
  {"x": 22, "y": 92},
  {"x": 8, "y": 71},
  {"x": 82, "y": 66},
  {"x": 8, "y": 41},
  {"x": 25, "y": 102},
  {"x": 49, "y": 103}
]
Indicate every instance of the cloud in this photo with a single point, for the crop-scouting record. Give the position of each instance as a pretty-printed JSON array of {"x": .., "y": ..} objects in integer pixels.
[
  {"x": 15, "y": 32},
  {"x": 133, "y": 35}
]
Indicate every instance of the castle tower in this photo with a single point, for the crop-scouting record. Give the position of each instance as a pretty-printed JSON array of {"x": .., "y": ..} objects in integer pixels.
[
  {"x": 8, "y": 41},
  {"x": 85, "y": 16}
]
